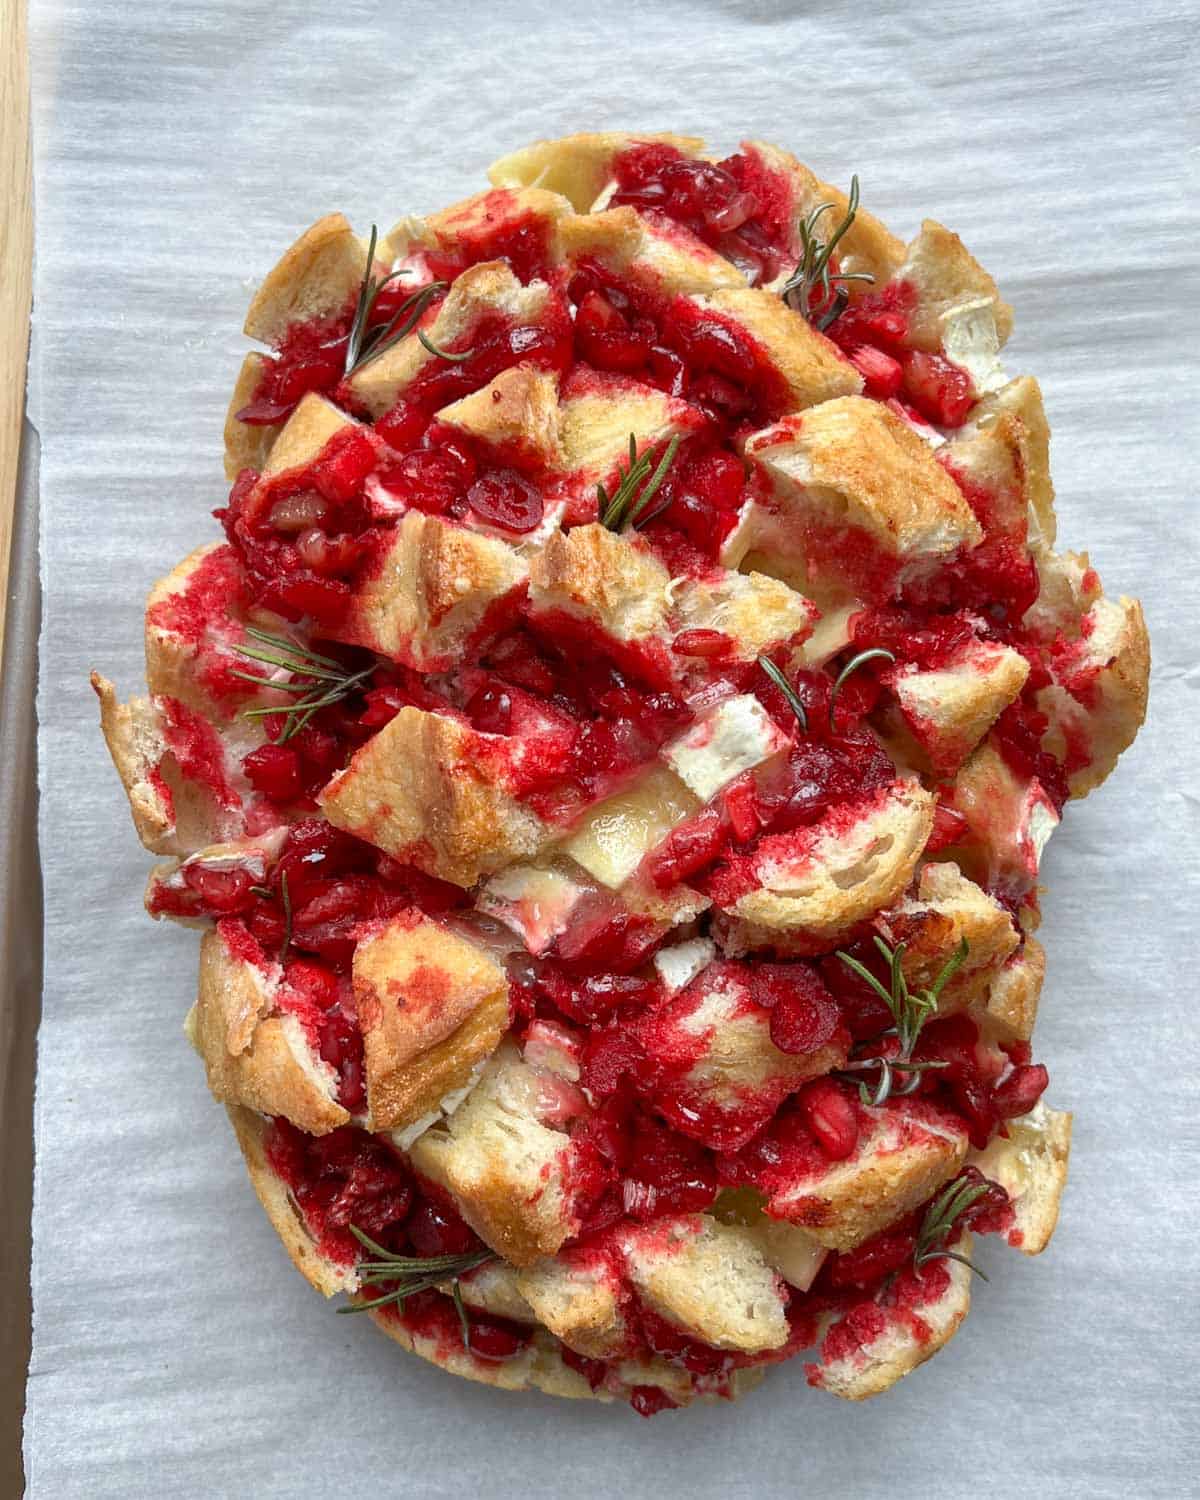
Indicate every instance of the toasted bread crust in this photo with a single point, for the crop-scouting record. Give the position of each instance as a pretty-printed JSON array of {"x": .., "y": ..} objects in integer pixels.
[
  {"x": 316, "y": 277},
  {"x": 810, "y": 893},
  {"x": 852, "y": 460},
  {"x": 254, "y": 1055},
  {"x": 901, "y": 1162},
  {"x": 877, "y": 1366},
  {"x": 419, "y": 791},
  {"x": 1031, "y": 1166},
  {"x": 429, "y": 592},
  {"x": 431, "y": 1006}
]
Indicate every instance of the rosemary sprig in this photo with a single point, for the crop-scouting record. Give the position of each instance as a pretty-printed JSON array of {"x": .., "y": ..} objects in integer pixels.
[
  {"x": 626, "y": 505},
  {"x": 366, "y": 343},
  {"x": 323, "y": 680},
  {"x": 785, "y": 687},
  {"x": 812, "y": 273},
  {"x": 464, "y": 1326},
  {"x": 874, "y": 654},
  {"x": 909, "y": 1011},
  {"x": 454, "y": 359},
  {"x": 411, "y": 1274},
  {"x": 938, "y": 1224},
  {"x": 285, "y": 897}
]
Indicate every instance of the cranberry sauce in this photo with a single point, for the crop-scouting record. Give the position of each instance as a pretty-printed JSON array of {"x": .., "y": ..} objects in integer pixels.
[{"x": 574, "y": 715}]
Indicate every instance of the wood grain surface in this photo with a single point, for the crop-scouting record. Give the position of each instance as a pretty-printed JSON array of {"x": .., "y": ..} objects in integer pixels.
[
  {"x": 16, "y": 257},
  {"x": 20, "y": 977}
]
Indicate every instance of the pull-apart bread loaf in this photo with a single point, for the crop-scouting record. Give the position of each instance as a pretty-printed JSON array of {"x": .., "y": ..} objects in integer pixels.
[{"x": 610, "y": 755}]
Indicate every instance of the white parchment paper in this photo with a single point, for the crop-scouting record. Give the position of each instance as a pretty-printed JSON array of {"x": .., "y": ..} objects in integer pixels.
[{"x": 180, "y": 146}]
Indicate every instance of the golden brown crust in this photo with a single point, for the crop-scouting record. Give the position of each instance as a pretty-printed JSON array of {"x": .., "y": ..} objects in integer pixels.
[
  {"x": 900, "y": 1162},
  {"x": 1005, "y": 447},
  {"x": 1011, "y": 1004},
  {"x": 1031, "y": 1166},
  {"x": 1009, "y": 821},
  {"x": 431, "y": 1007},
  {"x": 1101, "y": 690},
  {"x": 579, "y": 1300},
  {"x": 877, "y": 1366},
  {"x": 664, "y": 261},
  {"x": 429, "y": 592},
  {"x": 852, "y": 461},
  {"x": 135, "y": 741},
  {"x": 946, "y": 275},
  {"x": 246, "y": 447},
  {"x": 321, "y": 1273},
  {"x": 709, "y": 1278},
  {"x": 253, "y": 1054},
  {"x": 305, "y": 433},
  {"x": 597, "y": 417},
  {"x": 812, "y": 892},
  {"x": 812, "y": 368},
  {"x": 756, "y": 612},
  {"x": 316, "y": 277},
  {"x": 505, "y": 1168},
  {"x": 577, "y": 166},
  {"x": 422, "y": 791},
  {"x": 949, "y": 709},
  {"x": 949, "y": 909},
  {"x": 517, "y": 411},
  {"x": 596, "y": 575},
  {"x": 484, "y": 288}
]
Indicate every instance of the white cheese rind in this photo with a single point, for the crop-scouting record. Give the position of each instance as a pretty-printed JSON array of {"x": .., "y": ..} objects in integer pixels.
[
  {"x": 738, "y": 735},
  {"x": 678, "y": 966}
]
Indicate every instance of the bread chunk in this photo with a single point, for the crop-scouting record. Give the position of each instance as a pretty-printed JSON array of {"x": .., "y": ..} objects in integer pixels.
[
  {"x": 428, "y": 592},
  {"x": 906, "y": 1152},
  {"x": 507, "y": 1171},
  {"x": 431, "y": 1007},
  {"x": 431, "y": 792},
  {"x": 254, "y": 1053},
  {"x": 709, "y": 1279},
  {"x": 802, "y": 892}
]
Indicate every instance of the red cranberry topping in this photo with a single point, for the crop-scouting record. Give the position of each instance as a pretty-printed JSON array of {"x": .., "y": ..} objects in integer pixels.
[
  {"x": 503, "y": 498},
  {"x": 275, "y": 771},
  {"x": 707, "y": 644},
  {"x": 804, "y": 1015},
  {"x": 649, "y": 1400},
  {"x": 830, "y": 1116},
  {"x": 939, "y": 390},
  {"x": 345, "y": 1177},
  {"x": 311, "y": 357},
  {"x": 1020, "y": 1091},
  {"x": 435, "y": 1226},
  {"x": 494, "y": 1338},
  {"x": 667, "y": 1174},
  {"x": 875, "y": 1258}
]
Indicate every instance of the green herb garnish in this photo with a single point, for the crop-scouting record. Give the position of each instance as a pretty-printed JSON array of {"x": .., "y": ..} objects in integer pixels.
[
  {"x": 813, "y": 274},
  {"x": 909, "y": 1011},
  {"x": 785, "y": 687},
  {"x": 411, "y": 1274},
  {"x": 323, "y": 680},
  {"x": 627, "y": 505},
  {"x": 938, "y": 1224}
]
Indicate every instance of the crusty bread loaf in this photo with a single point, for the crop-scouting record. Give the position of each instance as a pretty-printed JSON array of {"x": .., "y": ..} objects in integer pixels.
[{"x": 540, "y": 848}]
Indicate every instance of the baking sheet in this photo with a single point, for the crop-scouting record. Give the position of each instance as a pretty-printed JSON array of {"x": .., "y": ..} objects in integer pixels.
[{"x": 179, "y": 149}]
